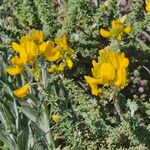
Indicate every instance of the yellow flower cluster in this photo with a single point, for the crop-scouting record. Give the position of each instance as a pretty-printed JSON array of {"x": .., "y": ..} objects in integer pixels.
[
  {"x": 110, "y": 70},
  {"x": 65, "y": 54},
  {"x": 118, "y": 30},
  {"x": 147, "y": 5},
  {"x": 32, "y": 46},
  {"x": 27, "y": 51}
]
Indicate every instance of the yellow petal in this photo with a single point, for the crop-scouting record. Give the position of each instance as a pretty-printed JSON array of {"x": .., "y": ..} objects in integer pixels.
[
  {"x": 96, "y": 70},
  {"x": 46, "y": 47},
  {"x": 119, "y": 37},
  {"x": 69, "y": 51},
  {"x": 61, "y": 67},
  {"x": 53, "y": 56},
  {"x": 25, "y": 39},
  {"x": 124, "y": 62},
  {"x": 32, "y": 49},
  {"x": 53, "y": 69},
  {"x": 116, "y": 23},
  {"x": 104, "y": 32},
  {"x": 62, "y": 45},
  {"x": 37, "y": 36},
  {"x": 148, "y": 7},
  {"x": 15, "y": 46},
  {"x": 22, "y": 92},
  {"x": 69, "y": 63},
  {"x": 114, "y": 60},
  {"x": 94, "y": 63},
  {"x": 94, "y": 85},
  {"x": 42, "y": 47},
  {"x": 62, "y": 41},
  {"x": 15, "y": 70},
  {"x": 23, "y": 55},
  {"x": 120, "y": 80},
  {"x": 56, "y": 118},
  {"x": 50, "y": 52},
  {"x": 107, "y": 73},
  {"x": 16, "y": 60},
  {"x": 127, "y": 29}
]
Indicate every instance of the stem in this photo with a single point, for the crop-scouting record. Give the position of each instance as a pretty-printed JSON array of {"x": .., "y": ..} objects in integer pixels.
[
  {"x": 117, "y": 107},
  {"x": 49, "y": 136}
]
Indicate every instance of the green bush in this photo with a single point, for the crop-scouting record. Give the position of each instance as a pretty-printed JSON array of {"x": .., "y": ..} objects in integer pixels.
[{"x": 87, "y": 121}]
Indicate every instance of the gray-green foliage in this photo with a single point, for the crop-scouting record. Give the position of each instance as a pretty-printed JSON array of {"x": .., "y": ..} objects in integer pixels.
[{"x": 87, "y": 122}]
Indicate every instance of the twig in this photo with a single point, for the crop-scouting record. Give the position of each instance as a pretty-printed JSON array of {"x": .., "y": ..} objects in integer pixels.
[
  {"x": 117, "y": 107},
  {"x": 146, "y": 69},
  {"x": 40, "y": 138}
]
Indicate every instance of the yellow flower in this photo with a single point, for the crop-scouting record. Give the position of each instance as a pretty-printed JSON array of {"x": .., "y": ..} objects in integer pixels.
[
  {"x": 69, "y": 63},
  {"x": 62, "y": 41},
  {"x": 31, "y": 50},
  {"x": 49, "y": 51},
  {"x": 23, "y": 91},
  {"x": 104, "y": 32},
  {"x": 120, "y": 80},
  {"x": 15, "y": 70},
  {"x": 94, "y": 85},
  {"x": 61, "y": 67},
  {"x": 107, "y": 73},
  {"x": 37, "y": 36},
  {"x": 53, "y": 69},
  {"x": 110, "y": 70},
  {"x": 17, "y": 61},
  {"x": 118, "y": 29},
  {"x": 15, "y": 46},
  {"x": 57, "y": 68},
  {"x": 63, "y": 45},
  {"x": 28, "y": 52},
  {"x": 56, "y": 118},
  {"x": 148, "y": 6},
  {"x": 127, "y": 29}
]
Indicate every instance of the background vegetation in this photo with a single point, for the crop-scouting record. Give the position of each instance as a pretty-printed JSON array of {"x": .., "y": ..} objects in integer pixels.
[{"x": 87, "y": 122}]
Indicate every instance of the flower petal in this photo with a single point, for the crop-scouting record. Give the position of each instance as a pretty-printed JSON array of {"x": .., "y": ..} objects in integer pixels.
[
  {"x": 94, "y": 85},
  {"x": 107, "y": 73},
  {"x": 15, "y": 46},
  {"x": 124, "y": 62},
  {"x": 37, "y": 36},
  {"x": 53, "y": 56},
  {"x": 61, "y": 67},
  {"x": 23, "y": 91},
  {"x": 104, "y": 32},
  {"x": 148, "y": 6},
  {"x": 56, "y": 118},
  {"x": 69, "y": 63},
  {"x": 120, "y": 80},
  {"x": 15, "y": 70},
  {"x": 16, "y": 60},
  {"x": 127, "y": 29}
]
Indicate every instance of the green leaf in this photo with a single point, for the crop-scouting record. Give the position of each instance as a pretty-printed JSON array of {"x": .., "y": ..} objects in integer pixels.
[
  {"x": 132, "y": 106},
  {"x": 33, "y": 116},
  {"x": 7, "y": 140}
]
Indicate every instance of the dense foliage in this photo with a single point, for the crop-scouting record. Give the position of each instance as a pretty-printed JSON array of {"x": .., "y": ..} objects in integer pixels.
[{"x": 60, "y": 111}]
